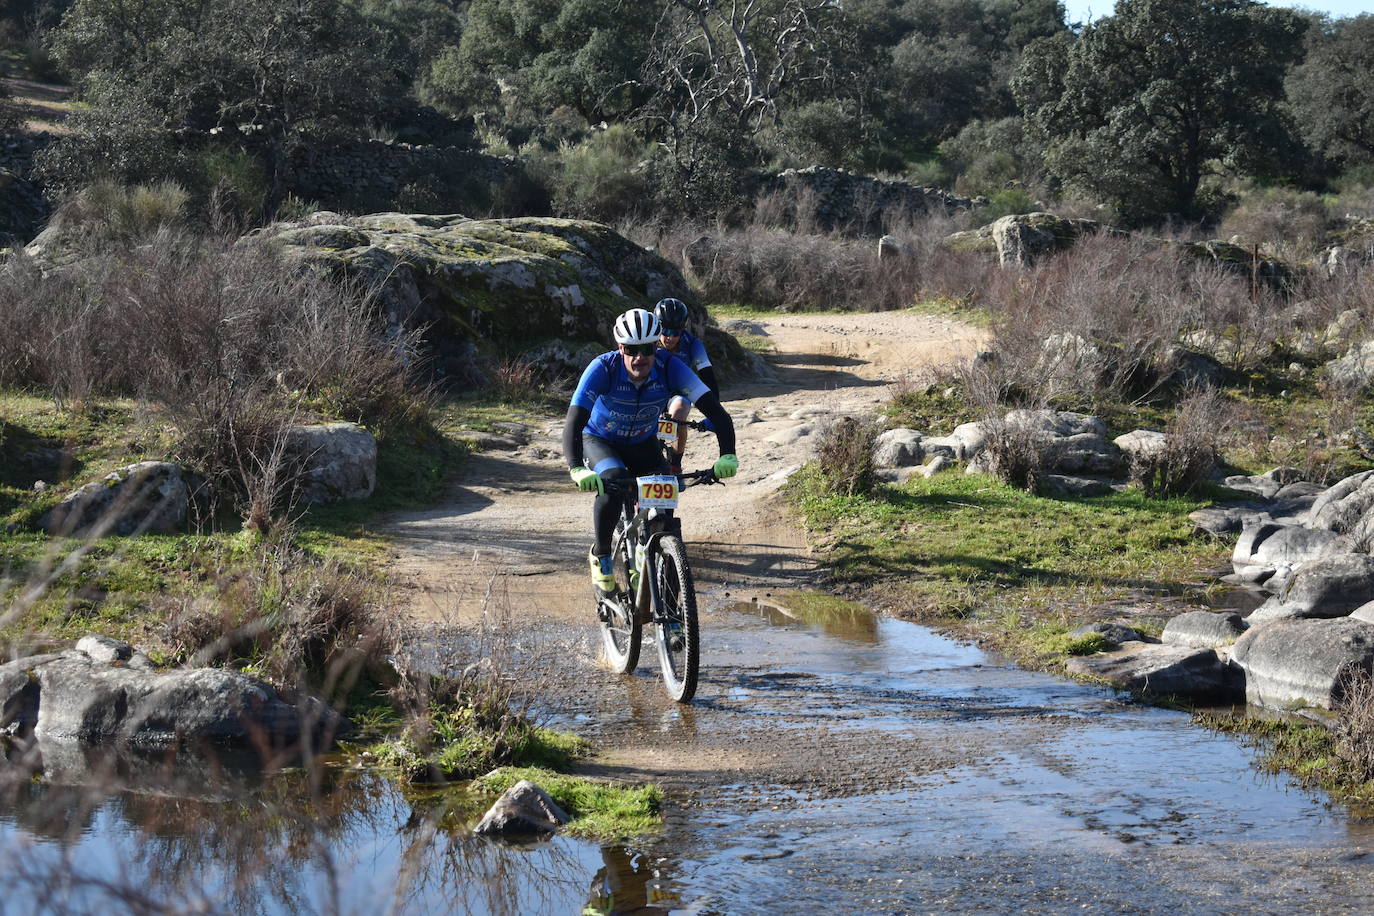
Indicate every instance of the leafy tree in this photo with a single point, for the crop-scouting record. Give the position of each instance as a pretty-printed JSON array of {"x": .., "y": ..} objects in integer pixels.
[
  {"x": 264, "y": 72},
  {"x": 936, "y": 65},
  {"x": 1147, "y": 101},
  {"x": 583, "y": 54},
  {"x": 414, "y": 32},
  {"x": 1332, "y": 91},
  {"x": 121, "y": 135}
]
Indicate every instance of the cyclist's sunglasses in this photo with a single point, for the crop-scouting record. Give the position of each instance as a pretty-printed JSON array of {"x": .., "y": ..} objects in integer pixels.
[
  {"x": 672, "y": 332},
  {"x": 638, "y": 349}
]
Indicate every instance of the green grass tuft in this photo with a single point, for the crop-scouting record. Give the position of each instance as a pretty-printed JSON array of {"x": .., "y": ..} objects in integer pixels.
[{"x": 599, "y": 810}]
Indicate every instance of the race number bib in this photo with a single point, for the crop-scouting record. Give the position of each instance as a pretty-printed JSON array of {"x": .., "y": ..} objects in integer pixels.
[
  {"x": 667, "y": 430},
  {"x": 657, "y": 492}
]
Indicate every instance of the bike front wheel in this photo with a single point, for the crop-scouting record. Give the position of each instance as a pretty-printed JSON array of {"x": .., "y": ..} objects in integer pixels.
[
  {"x": 675, "y": 612},
  {"x": 621, "y": 630}
]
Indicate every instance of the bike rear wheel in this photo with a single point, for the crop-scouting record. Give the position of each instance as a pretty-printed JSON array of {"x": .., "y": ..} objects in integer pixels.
[
  {"x": 675, "y": 611},
  {"x": 621, "y": 630}
]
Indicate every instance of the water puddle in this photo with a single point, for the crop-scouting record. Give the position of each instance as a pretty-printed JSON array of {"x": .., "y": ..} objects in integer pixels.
[
  {"x": 340, "y": 842},
  {"x": 834, "y": 761}
]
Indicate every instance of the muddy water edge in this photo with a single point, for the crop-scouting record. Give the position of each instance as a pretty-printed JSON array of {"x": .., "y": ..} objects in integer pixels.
[{"x": 836, "y": 761}]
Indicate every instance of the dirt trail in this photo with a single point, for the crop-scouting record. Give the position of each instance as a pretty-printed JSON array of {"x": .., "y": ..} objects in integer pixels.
[
  {"x": 512, "y": 537},
  {"x": 515, "y": 514}
]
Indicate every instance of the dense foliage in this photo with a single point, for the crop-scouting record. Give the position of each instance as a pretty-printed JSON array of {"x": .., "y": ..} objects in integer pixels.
[{"x": 1156, "y": 109}]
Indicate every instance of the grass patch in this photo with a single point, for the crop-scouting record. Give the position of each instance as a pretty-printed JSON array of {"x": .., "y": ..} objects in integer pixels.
[
  {"x": 934, "y": 409},
  {"x": 128, "y": 587},
  {"x": 954, "y": 310},
  {"x": 484, "y": 412},
  {"x": 459, "y": 744},
  {"x": 1308, "y": 752},
  {"x": 599, "y": 810},
  {"x": 1053, "y": 640},
  {"x": 756, "y": 343},
  {"x": 724, "y": 311},
  {"x": 959, "y": 546},
  {"x": 42, "y": 442}
]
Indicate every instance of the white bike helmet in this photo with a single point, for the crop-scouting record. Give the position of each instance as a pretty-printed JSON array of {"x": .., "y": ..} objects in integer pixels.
[{"x": 637, "y": 326}]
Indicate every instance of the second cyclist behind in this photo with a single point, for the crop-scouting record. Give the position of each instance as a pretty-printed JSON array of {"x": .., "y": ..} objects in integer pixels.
[{"x": 674, "y": 337}]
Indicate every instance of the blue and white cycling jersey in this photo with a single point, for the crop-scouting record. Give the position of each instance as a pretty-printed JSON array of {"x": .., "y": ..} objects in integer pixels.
[
  {"x": 623, "y": 411},
  {"x": 692, "y": 351}
]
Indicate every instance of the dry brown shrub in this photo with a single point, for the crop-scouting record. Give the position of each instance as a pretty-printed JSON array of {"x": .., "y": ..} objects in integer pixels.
[
  {"x": 1191, "y": 448},
  {"x": 232, "y": 343},
  {"x": 293, "y": 616},
  {"x": 789, "y": 269},
  {"x": 1288, "y": 223},
  {"x": 515, "y": 380},
  {"x": 1017, "y": 450},
  {"x": 1355, "y": 728},
  {"x": 845, "y": 455},
  {"x": 1232, "y": 320}
]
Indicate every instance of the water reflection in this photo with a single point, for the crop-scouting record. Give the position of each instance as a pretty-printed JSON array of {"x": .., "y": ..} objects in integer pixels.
[
  {"x": 833, "y": 616},
  {"x": 216, "y": 836}
]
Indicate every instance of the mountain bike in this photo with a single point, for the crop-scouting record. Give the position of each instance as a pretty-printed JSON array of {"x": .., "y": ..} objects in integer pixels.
[{"x": 653, "y": 582}]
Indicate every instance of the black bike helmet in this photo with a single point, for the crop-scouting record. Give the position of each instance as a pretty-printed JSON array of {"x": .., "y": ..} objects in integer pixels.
[{"x": 672, "y": 313}]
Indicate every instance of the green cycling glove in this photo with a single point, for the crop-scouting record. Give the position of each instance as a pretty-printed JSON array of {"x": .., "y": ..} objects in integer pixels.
[
  {"x": 726, "y": 466},
  {"x": 586, "y": 479}
]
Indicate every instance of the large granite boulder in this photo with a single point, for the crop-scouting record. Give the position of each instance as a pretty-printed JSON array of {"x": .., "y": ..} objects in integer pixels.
[
  {"x": 523, "y": 279},
  {"x": 1341, "y": 507},
  {"x": 1071, "y": 444},
  {"x": 1203, "y": 629},
  {"x": 1296, "y": 662},
  {"x": 333, "y": 461},
  {"x": 1163, "y": 671},
  {"x": 1355, "y": 369},
  {"x": 93, "y": 694},
  {"x": 1141, "y": 443},
  {"x": 150, "y": 496},
  {"x": 1329, "y": 586},
  {"x": 1020, "y": 238},
  {"x": 898, "y": 448},
  {"x": 1263, "y": 550}
]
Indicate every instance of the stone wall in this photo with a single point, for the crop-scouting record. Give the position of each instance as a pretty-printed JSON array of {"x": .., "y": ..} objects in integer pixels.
[
  {"x": 373, "y": 175},
  {"x": 838, "y": 199}
]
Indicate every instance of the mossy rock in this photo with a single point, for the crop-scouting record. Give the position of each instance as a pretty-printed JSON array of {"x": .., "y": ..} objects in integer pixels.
[
  {"x": 1053, "y": 233},
  {"x": 501, "y": 280}
]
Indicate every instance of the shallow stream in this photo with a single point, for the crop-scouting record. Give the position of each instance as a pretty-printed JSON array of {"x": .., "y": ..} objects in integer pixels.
[{"x": 842, "y": 763}]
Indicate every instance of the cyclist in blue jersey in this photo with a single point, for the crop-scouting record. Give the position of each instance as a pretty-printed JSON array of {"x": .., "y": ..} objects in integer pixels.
[
  {"x": 613, "y": 419},
  {"x": 677, "y": 340}
]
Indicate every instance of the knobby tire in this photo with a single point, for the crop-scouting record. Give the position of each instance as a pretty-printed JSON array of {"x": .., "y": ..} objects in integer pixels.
[
  {"x": 621, "y": 630},
  {"x": 675, "y": 600}
]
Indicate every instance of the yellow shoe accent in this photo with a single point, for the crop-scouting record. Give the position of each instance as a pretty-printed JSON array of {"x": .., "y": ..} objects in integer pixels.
[{"x": 603, "y": 576}]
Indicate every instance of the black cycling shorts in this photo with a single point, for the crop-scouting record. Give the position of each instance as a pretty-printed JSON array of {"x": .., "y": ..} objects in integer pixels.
[{"x": 639, "y": 458}]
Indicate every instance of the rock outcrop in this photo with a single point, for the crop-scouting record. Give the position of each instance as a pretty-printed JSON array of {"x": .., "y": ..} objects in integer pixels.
[
  {"x": 467, "y": 280},
  {"x": 102, "y": 691},
  {"x": 332, "y": 461},
  {"x": 839, "y": 199},
  {"x": 1291, "y": 662},
  {"x": 1309, "y": 549},
  {"x": 1163, "y": 671},
  {"x": 1020, "y": 238},
  {"x": 151, "y": 496}
]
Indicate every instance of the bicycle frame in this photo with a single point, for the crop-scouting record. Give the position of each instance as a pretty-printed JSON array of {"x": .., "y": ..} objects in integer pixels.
[{"x": 643, "y": 528}]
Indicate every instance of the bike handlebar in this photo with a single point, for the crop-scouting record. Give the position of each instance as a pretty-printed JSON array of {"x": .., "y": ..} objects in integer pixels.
[{"x": 689, "y": 479}]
